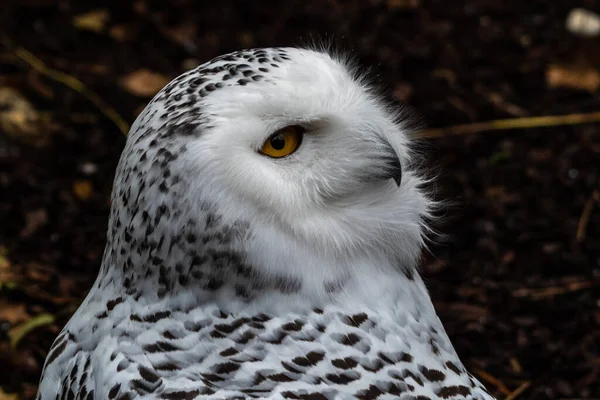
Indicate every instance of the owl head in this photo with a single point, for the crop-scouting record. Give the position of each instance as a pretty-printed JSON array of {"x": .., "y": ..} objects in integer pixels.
[{"x": 288, "y": 153}]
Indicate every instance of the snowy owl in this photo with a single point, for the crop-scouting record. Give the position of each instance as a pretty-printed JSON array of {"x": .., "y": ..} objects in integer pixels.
[{"x": 264, "y": 238}]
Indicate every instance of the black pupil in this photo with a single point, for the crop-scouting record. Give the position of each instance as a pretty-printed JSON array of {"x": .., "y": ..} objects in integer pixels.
[{"x": 278, "y": 142}]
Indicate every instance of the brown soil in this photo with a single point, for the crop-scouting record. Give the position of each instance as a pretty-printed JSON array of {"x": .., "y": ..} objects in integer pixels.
[{"x": 514, "y": 282}]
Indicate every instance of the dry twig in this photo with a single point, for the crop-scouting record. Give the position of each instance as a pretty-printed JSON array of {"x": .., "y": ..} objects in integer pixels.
[
  {"x": 68, "y": 81},
  {"x": 493, "y": 380},
  {"x": 551, "y": 291},
  {"x": 513, "y": 395},
  {"x": 512, "y": 123},
  {"x": 17, "y": 333},
  {"x": 585, "y": 215}
]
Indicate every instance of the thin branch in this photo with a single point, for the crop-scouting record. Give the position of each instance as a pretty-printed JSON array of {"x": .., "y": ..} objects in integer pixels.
[
  {"x": 552, "y": 291},
  {"x": 493, "y": 380},
  {"x": 68, "y": 81},
  {"x": 584, "y": 219},
  {"x": 512, "y": 123},
  {"x": 518, "y": 391}
]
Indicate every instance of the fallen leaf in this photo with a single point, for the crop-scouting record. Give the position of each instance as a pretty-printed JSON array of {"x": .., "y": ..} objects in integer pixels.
[
  {"x": 13, "y": 313},
  {"x": 121, "y": 33},
  {"x": 144, "y": 83},
  {"x": 583, "y": 22},
  {"x": 82, "y": 189},
  {"x": 17, "y": 333},
  {"x": 515, "y": 365},
  {"x": 574, "y": 77},
  {"x": 94, "y": 21},
  {"x": 18, "y": 117},
  {"x": 33, "y": 220},
  {"x": 7, "y": 396}
]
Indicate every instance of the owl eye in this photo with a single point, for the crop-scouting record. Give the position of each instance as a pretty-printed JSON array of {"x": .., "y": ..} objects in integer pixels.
[{"x": 283, "y": 142}]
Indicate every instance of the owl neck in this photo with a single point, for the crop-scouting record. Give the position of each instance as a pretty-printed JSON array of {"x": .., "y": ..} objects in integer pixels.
[
  {"x": 209, "y": 261},
  {"x": 251, "y": 294}
]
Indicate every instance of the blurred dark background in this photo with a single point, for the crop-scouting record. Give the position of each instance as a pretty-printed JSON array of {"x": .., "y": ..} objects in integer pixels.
[{"x": 515, "y": 282}]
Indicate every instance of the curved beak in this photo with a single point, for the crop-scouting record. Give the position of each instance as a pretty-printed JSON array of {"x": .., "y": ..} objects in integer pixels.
[
  {"x": 393, "y": 167},
  {"x": 396, "y": 170}
]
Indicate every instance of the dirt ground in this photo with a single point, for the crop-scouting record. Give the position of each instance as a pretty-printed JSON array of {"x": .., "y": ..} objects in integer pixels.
[{"x": 516, "y": 281}]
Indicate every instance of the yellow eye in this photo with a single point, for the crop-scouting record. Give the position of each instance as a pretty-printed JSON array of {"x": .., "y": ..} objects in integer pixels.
[{"x": 283, "y": 142}]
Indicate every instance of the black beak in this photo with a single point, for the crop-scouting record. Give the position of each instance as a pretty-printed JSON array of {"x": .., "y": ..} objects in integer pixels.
[
  {"x": 393, "y": 167},
  {"x": 396, "y": 170}
]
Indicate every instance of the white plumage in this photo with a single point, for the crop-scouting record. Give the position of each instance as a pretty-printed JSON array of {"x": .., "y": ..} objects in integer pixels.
[{"x": 264, "y": 239}]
